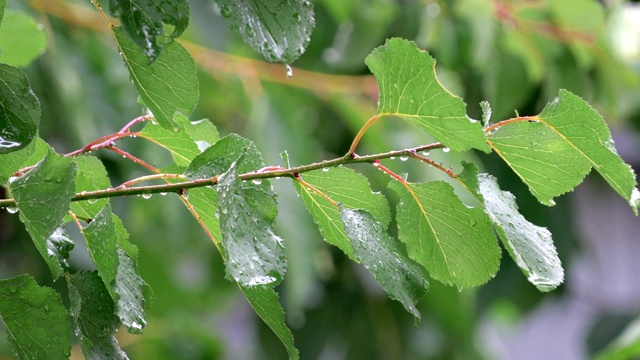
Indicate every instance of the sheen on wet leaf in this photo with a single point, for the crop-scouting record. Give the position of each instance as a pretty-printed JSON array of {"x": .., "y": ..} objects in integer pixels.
[
  {"x": 20, "y": 110},
  {"x": 143, "y": 21},
  {"x": 112, "y": 255},
  {"x": 93, "y": 314},
  {"x": 43, "y": 196},
  {"x": 343, "y": 186},
  {"x": 399, "y": 276},
  {"x": 280, "y": 30}
]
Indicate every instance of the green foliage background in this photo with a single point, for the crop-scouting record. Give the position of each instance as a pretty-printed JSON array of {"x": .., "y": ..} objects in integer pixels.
[{"x": 517, "y": 55}]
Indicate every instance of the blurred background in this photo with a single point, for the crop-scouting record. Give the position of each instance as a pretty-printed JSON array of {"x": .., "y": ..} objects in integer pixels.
[{"x": 514, "y": 54}]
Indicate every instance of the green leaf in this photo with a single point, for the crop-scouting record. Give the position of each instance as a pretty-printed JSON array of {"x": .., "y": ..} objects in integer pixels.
[
  {"x": 27, "y": 156},
  {"x": 204, "y": 201},
  {"x": 19, "y": 109},
  {"x": 343, "y": 186},
  {"x": 400, "y": 277},
  {"x": 143, "y": 21},
  {"x": 21, "y": 39},
  {"x": 553, "y": 152},
  {"x": 181, "y": 146},
  {"x": 218, "y": 158},
  {"x": 3, "y": 4},
  {"x": 168, "y": 85},
  {"x": 247, "y": 211},
  {"x": 43, "y": 196},
  {"x": 530, "y": 246},
  {"x": 202, "y": 132},
  {"x": 409, "y": 89},
  {"x": 453, "y": 242},
  {"x": 90, "y": 175},
  {"x": 265, "y": 302},
  {"x": 37, "y": 322},
  {"x": 280, "y": 30},
  {"x": 116, "y": 268},
  {"x": 93, "y": 316},
  {"x": 625, "y": 347}
]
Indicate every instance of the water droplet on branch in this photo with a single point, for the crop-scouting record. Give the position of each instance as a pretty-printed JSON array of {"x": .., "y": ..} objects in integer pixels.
[{"x": 288, "y": 70}]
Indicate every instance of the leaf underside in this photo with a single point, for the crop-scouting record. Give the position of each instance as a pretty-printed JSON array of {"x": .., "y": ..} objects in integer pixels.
[
  {"x": 279, "y": 30},
  {"x": 399, "y": 276}
]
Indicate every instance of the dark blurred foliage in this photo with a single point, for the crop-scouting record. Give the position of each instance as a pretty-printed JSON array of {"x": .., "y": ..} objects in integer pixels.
[{"x": 515, "y": 54}]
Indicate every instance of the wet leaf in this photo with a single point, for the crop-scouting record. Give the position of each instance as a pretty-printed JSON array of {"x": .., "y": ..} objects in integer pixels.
[
  {"x": 409, "y": 89},
  {"x": 27, "y": 156},
  {"x": 553, "y": 153},
  {"x": 20, "y": 50},
  {"x": 530, "y": 246},
  {"x": 279, "y": 30},
  {"x": 143, "y": 21},
  {"x": 37, "y": 322},
  {"x": 454, "y": 243},
  {"x": 348, "y": 188},
  {"x": 202, "y": 131},
  {"x": 43, "y": 196},
  {"x": 93, "y": 314},
  {"x": 398, "y": 275},
  {"x": 90, "y": 175},
  {"x": 265, "y": 302},
  {"x": 117, "y": 270},
  {"x": 20, "y": 110},
  {"x": 182, "y": 148},
  {"x": 218, "y": 158},
  {"x": 255, "y": 254},
  {"x": 168, "y": 85}
]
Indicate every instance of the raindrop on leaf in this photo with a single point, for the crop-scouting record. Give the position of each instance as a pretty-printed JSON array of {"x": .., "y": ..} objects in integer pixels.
[
  {"x": 257, "y": 181},
  {"x": 146, "y": 196},
  {"x": 446, "y": 149},
  {"x": 12, "y": 210}
]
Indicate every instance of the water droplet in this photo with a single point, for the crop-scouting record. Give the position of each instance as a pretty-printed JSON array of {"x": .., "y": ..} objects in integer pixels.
[
  {"x": 13, "y": 289},
  {"x": 146, "y": 196},
  {"x": 163, "y": 193},
  {"x": 404, "y": 158},
  {"x": 257, "y": 181},
  {"x": 376, "y": 163},
  {"x": 12, "y": 210},
  {"x": 446, "y": 149},
  {"x": 404, "y": 176},
  {"x": 296, "y": 16},
  {"x": 325, "y": 169},
  {"x": 93, "y": 201},
  {"x": 12, "y": 179},
  {"x": 225, "y": 10},
  {"x": 185, "y": 194},
  {"x": 473, "y": 121},
  {"x": 289, "y": 70},
  {"x": 425, "y": 153},
  {"x": 248, "y": 29},
  {"x": 392, "y": 158}
]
